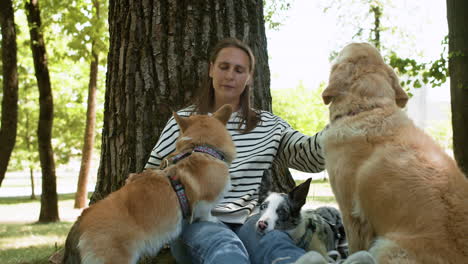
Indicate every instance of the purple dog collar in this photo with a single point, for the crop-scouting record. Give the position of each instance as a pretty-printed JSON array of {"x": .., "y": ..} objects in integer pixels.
[{"x": 210, "y": 151}]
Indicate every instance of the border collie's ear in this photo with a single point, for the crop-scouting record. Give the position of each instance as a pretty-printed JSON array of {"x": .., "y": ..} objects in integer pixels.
[
  {"x": 223, "y": 113},
  {"x": 265, "y": 186},
  {"x": 183, "y": 122},
  {"x": 299, "y": 193}
]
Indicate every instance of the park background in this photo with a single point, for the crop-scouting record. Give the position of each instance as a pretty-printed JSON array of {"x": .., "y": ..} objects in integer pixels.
[
  {"x": 302, "y": 38},
  {"x": 299, "y": 60}
]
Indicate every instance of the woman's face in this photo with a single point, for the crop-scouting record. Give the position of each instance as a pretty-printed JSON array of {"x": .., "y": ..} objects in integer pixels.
[{"x": 230, "y": 74}]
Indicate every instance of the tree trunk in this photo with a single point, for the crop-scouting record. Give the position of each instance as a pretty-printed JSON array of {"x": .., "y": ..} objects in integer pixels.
[
  {"x": 10, "y": 86},
  {"x": 377, "y": 11},
  {"x": 31, "y": 176},
  {"x": 28, "y": 140},
  {"x": 49, "y": 201},
  {"x": 82, "y": 191},
  {"x": 458, "y": 70},
  {"x": 157, "y": 59}
]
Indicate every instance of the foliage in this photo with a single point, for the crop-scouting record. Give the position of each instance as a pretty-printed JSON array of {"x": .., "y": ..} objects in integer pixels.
[
  {"x": 69, "y": 77},
  {"x": 415, "y": 74},
  {"x": 274, "y": 12},
  {"x": 302, "y": 108},
  {"x": 86, "y": 22}
]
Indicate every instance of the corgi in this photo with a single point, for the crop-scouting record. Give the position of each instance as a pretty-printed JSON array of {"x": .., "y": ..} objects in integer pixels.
[
  {"x": 319, "y": 230},
  {"x": 147, "y": 212}
]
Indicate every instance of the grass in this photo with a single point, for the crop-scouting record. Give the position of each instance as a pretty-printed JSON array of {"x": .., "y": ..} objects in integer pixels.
[
  {"x": 23, "y": 241},
  {"x": 31, "y": 243}
]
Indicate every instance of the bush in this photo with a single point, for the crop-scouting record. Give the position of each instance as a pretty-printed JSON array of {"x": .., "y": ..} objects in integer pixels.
[{"x": 302, "y": 108}]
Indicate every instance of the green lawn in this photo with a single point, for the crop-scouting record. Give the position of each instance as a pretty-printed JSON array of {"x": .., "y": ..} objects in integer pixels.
[
  {"x": 31, "y": 243},
  {"x": 26, "y": 242}
]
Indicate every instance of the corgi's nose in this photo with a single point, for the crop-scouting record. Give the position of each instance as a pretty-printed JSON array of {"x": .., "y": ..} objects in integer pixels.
[{"x": 262, "y": 225}]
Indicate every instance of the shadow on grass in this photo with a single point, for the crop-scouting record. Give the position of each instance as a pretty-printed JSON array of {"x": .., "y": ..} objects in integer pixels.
[
  {"x": 28, "y": 255},
  {"x": 27, "y": 199},
  {"x": 36, "y": 229}
]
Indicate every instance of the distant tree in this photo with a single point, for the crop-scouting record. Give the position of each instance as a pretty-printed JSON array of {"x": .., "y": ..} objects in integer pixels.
[
  {"x": 49, "y": 201},
  {"x": 157, "y": 59},
  {"x": 85, "y": 22},
  {"x": 458, "y": 65},
  {"x": 8, "y": 129},
  {"x": 371, "y": 24}
]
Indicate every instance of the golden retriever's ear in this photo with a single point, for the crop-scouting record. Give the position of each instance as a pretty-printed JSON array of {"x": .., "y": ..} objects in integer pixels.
[
  {"x": 329, "y": 93},
  {"x": 224, "y": 113},
  {"x": 339, "y": 78},
  {"x": 183, "y": 122},
  {"x": 401, "y": 98}
]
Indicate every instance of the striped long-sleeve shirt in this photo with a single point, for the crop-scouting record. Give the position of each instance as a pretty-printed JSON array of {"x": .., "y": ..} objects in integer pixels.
[{"x": 273, "y": 140}]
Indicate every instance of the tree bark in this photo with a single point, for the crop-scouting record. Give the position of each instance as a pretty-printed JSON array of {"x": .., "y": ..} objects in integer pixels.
[
  {"x": 49, "y": 201},
  {"x": 458, "y": 71},
  {"x": 9, "y": 112},
  {"x": 157, "y": 59}
]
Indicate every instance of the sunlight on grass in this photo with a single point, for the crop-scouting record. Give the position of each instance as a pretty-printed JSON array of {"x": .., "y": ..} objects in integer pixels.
[
  {"x": 27, "y": 235},
  {"x": 31, "y": 243}
]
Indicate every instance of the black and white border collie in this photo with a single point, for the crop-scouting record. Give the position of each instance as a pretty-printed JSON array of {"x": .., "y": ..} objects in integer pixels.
[{"x": 319, "y": 229}]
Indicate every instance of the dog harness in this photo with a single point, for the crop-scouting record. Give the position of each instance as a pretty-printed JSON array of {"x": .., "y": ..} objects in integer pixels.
[
  {"x": 177, "y": 184},
  {"x": 202, "y": 148},
  {"x": 181, "y": 195}
]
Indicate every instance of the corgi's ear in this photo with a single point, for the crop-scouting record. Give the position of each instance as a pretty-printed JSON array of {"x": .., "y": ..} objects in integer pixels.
[
  {"x": 401, "y": 98},
  {"x": 265, "y": 186},
  {"x": 299, "y": 193},
  {"x": 183, "y": 122},
  {"x": 224, "y": 113}
]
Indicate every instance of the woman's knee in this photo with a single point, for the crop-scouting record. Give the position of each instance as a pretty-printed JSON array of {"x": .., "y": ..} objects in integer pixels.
[
  {"x": 201, "y": 231},
  {"x": 205, "y": 241}
]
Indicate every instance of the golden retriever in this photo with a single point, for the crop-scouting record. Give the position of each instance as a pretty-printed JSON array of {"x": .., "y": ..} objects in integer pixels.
[
  {"x": 401, "y": 196},
  {"x": 146, "y": 212}
]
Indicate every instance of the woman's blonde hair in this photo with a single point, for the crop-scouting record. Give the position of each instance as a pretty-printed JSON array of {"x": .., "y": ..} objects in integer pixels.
[{"x": 204, "y": 102}]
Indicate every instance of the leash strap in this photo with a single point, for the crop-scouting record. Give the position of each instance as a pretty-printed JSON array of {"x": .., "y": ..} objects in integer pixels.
[{"x": 181, "y": 195}]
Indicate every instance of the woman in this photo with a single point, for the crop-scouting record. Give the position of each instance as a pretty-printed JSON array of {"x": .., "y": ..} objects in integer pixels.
[{"x": 261, "y": 139}]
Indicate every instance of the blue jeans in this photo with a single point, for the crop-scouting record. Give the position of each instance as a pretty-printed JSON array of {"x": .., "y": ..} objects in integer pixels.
[{"x": 207, "y": 242}]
